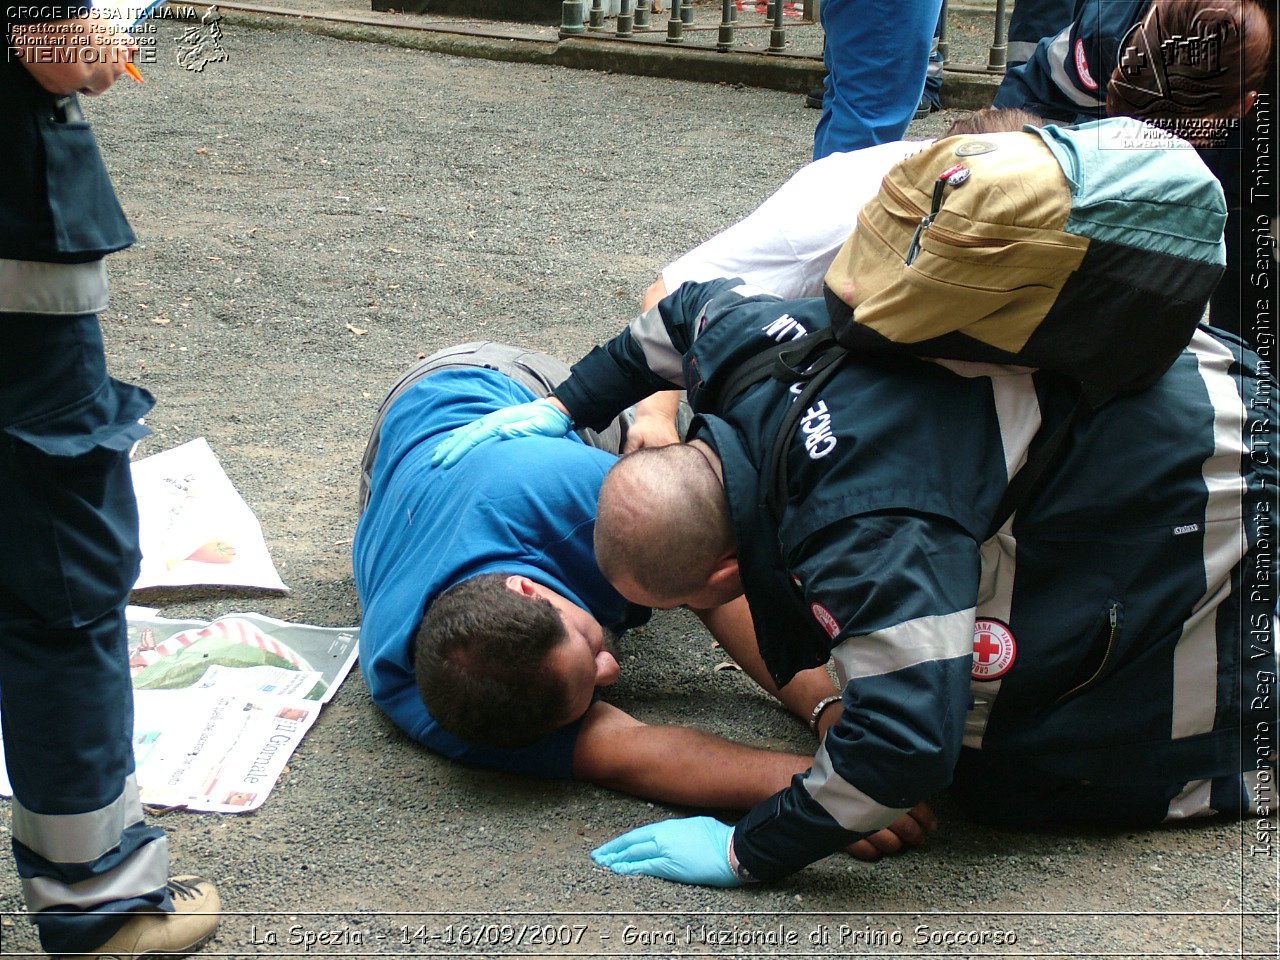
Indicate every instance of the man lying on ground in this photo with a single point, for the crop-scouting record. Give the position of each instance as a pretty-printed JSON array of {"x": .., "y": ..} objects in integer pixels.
[
  {"x": 1093, "y": 657},
  {"x": 482, "y": 598}
]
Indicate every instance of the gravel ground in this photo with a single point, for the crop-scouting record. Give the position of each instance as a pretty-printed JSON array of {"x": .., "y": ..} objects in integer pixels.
[{"x": 309, "y": 186}]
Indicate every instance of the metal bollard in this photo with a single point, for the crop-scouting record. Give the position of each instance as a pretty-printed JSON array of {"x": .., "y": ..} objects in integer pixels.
[
  {"x": 597, "y": 14},
  {"x": 777, "y": 35},
  {"x": 675, "y": 26},
  {"x": 572, "y": 16},
  {"x": 625, "y": 18},
  {"x": 724, "y": 42},
  {"x": 686, "y": 13},
  {"x": 998, "y": 58},
  {"x": 943, "y": 47}
]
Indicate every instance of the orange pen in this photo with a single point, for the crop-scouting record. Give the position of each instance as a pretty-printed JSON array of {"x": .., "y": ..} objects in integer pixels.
[{"x": 133, "y": 71}]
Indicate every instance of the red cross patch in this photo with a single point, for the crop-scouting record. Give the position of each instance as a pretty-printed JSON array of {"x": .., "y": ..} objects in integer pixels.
[
  {"x": 994, "y": 649},
  {"x": 826, "y": 619},
  {"x": 1082, "y": 67}
]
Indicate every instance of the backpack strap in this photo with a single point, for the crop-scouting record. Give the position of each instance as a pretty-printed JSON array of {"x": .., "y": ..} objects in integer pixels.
[
  {"x": 789, "y": 362},
  {"x": 816, "y": 357},
  {"x": 776, "y": 468}
]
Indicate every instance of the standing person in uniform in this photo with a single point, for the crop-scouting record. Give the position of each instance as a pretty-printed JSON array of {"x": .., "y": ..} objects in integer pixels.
[{"x": 95, "y": 877}]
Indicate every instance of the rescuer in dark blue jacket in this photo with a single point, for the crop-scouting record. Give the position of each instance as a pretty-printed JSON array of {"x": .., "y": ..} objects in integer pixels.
[
  {"x": 1195, "y": 68},
  {"x": 1093, "y": 661}
]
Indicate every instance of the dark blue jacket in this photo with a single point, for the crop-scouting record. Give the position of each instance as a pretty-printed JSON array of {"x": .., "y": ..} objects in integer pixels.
[
  {"x": 1099, "y": 637},
  {"x": 1066, "y": 78},
  {"x": 57, "y": 204}
]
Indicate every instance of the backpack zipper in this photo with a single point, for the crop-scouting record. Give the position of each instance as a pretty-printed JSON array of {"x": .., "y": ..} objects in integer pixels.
[
  {"x": 953, "y": 239},
  {"x": 949, "y": 237},
  {"x": 953, "y": 176}
]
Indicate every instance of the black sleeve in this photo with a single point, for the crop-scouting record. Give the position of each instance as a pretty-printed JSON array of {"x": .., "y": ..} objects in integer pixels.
[{"x": 645, "y": 358}]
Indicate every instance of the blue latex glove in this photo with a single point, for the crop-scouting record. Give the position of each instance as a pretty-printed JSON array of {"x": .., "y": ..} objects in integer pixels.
[
  {"x": 694, "y": 850},
  {"x": 539, "y": 418}
]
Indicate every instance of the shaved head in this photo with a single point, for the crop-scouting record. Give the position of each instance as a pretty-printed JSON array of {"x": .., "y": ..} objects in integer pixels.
[{"x": 663, "y": 521}]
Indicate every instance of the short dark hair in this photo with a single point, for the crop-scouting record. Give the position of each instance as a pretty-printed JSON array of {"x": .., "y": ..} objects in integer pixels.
[
  {"x": 480, "y": 659},
  {"x": 994, "y": 120}
]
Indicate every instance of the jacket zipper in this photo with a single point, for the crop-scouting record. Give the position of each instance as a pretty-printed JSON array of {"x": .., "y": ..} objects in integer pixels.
[{"x": 1113, "y": 616}]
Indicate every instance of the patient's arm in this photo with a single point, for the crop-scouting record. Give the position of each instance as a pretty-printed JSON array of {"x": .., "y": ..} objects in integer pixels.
[
  {"x": 677, "y": 765},
  {"x": 731, "y": 625},
  {"x": 680, "y": 765}
]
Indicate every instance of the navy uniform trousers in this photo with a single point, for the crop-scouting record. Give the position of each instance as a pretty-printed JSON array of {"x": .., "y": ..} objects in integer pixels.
[
  {"x": 68, "y": 529},
  {"x": 68, "y": 534}
]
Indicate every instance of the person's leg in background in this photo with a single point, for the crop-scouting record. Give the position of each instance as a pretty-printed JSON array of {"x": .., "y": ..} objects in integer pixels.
[
  {"x": 931, "y": 99},
  {"x": 876, "y": 55},
  {"x": 86, "y": 859}
]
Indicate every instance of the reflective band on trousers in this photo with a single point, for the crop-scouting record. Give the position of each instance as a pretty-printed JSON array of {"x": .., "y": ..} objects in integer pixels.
[
  {"x": 78, "y": 837},
  {"x": 58, "y": 289},
  {"x": 143, "y": 873}
]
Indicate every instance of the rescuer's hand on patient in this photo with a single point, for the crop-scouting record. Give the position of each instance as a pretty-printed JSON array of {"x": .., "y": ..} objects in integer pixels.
[
  {"x": 655, "y": 422},
  {"x": 648, "y": 431},
  {"x": 539, "y": 418},
  {"x": 693, "y": 850},
  {"x": 909, "y": 830}
]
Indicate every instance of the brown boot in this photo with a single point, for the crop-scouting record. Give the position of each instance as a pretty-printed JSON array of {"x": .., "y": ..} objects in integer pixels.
[{"x": 196, "y": 909}]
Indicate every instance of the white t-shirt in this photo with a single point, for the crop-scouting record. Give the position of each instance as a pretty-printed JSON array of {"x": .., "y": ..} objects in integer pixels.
[{"x": 787, "y": 243}]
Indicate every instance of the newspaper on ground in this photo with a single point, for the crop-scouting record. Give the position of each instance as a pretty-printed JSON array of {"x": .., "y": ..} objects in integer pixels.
[
  {"x": 194, "y": 528},
  {"x": 220, "y": 707}
]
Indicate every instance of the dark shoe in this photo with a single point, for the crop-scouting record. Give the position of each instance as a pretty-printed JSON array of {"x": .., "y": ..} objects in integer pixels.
[
  {"x": 925, "y": 108},
  {"x": 196, "y": 909},
  {"x": 814, "y": 98}
]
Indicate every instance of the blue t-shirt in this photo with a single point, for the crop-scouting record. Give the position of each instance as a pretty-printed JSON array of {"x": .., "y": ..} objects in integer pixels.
[{"x": 523, "y": 506}]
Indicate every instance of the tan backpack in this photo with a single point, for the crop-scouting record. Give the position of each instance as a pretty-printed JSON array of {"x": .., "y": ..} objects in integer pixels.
[{"x": 1088, "y": 251}]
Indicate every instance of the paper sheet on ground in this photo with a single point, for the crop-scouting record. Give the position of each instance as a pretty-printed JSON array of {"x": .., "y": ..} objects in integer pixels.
[
  {"x": 195, "y": 529},
  {"x": 220, "y": 707}
]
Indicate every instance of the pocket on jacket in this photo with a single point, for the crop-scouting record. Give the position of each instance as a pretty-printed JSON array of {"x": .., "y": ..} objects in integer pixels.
[
  {"x": 1100, "y": 658},
  {"x": 85, "y": 215}
]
